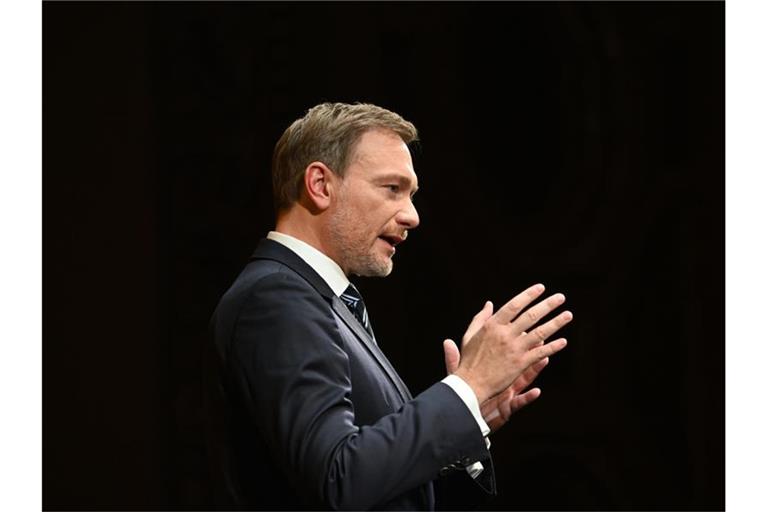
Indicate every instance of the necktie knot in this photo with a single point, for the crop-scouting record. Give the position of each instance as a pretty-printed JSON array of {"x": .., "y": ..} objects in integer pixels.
[{"x": 354, "y": 301}]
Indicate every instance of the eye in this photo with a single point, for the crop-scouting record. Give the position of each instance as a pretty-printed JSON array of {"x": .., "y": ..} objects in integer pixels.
[{"x": 393, "y": 188}]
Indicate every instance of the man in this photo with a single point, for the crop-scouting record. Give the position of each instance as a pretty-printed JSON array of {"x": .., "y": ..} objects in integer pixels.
[{"x": 310, "y": 413}]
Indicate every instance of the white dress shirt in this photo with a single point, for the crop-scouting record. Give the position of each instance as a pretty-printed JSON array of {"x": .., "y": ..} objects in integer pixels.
[{"x": 337, "y": 281}]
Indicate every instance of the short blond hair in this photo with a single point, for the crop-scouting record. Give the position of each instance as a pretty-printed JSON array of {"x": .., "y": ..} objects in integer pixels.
[{"x": 327, "y": 133}]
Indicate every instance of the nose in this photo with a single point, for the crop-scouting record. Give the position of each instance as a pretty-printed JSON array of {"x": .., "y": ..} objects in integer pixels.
[{"x": 408, "y": 216}]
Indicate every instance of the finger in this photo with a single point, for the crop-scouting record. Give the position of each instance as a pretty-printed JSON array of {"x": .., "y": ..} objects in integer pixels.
[
  {"x": 500, "y": 414},
  {"x": 452, "y": 356},
  {"x": 529, "y": 375},
  {"x": 495, "y": 423},
  {"x": 498, "y": 407},
  {"x": 550, "y": 349},
  {"x": 491, "y": 415},
  {"x": 535, "y": 313},
  {"x": 504, "y": 405},
  {"x": 534, "y": 344},
  {"x": 489, "y": 408},
  {"x": 541, "y": 333},
  {"x": 511, "y": 309},
  {"x": 477, "y": 322},
  {"x": 521, "y": 401}
]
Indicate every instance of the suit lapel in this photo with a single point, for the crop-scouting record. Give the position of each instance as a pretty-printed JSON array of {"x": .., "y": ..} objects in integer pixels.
[
  {"x": 346, "y": 315},
  {"x": 271, "y": 250}
]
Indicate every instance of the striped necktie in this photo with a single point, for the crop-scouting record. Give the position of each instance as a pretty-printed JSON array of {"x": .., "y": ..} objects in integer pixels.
[{"x": 354, "y": 301}]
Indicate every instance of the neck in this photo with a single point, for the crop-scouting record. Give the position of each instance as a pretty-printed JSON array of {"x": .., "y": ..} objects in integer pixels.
[{"x": 303, "y": 225}]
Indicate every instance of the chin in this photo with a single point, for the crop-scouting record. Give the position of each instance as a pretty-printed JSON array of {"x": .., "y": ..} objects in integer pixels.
[{"x": 375, "y": 269}]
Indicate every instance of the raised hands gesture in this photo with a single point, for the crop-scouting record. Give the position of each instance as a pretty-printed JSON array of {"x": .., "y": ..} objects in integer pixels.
[{"x": 503, "y": 353}]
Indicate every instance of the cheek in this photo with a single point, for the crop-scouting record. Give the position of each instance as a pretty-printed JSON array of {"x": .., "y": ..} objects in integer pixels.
[{"x": 368, "y": 218}]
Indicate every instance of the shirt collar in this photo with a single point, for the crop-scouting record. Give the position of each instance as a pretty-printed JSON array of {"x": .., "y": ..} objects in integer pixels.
[{"x": 328, "y": 269}]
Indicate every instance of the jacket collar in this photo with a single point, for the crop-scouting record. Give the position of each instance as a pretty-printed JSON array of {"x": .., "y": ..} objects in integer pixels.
[{"x": 271, "y": 250}]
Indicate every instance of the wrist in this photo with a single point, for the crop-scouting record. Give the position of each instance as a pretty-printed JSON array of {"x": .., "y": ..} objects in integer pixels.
[{"x": 480, "y": 392}]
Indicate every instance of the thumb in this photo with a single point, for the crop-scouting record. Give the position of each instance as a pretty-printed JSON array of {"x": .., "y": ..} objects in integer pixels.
[
  {"x": 452, "y": 356},
  {"x": 477, "y": 322}
]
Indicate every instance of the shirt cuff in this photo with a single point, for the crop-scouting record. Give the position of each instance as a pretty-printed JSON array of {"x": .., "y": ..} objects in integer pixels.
[{"x": 467, "y": 396}]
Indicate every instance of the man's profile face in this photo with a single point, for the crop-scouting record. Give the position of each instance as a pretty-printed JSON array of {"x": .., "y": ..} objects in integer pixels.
[{"x": 373, "y": 206}]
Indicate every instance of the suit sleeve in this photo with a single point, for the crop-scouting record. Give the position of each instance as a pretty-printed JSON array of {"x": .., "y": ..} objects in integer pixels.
[{"x": 289, "y": 365}]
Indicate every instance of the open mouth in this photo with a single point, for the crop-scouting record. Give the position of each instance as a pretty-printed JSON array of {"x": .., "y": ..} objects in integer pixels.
[{"x": 391, "y": 240}]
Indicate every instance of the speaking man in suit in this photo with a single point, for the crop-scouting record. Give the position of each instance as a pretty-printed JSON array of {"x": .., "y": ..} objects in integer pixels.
[{"x": 306, "y": 411}]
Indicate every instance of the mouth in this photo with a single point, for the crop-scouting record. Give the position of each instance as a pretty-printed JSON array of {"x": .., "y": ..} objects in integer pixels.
[{"x": 391, "y": 240}]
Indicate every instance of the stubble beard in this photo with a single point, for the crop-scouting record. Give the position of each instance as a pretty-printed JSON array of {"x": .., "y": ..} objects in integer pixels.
[{"x": 356, "y": 255}]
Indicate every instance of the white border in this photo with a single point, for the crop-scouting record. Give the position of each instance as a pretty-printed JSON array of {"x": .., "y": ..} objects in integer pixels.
[
  {"x": 746, "y": 255},
  {"x": 21, "y": 253},
  {"x": 21, "y": 263}
]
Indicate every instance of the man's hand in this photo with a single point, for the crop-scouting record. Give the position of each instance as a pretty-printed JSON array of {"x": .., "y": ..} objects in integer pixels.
[
  {"x": 502, "y": 355},
  {"x": 497, "y": 410}
]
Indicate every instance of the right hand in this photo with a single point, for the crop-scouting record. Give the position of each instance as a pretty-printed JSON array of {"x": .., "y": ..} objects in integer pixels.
[{"x": 505, "y": 345}]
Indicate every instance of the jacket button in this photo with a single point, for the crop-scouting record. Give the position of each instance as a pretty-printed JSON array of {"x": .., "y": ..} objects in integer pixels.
[{"x": 445, "y": 471}]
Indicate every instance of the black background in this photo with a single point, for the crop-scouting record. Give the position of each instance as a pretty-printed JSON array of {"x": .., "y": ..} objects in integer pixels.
[{"x": 578, "y": 145}]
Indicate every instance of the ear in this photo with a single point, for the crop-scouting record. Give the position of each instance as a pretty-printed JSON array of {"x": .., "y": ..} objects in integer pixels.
[{"x": 318, "y": 182}]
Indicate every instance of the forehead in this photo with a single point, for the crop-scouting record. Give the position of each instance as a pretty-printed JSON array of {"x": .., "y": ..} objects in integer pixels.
[{"x": 380, "y": 152}]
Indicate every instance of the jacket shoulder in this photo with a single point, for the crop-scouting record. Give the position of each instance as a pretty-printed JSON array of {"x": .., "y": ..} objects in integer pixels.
[
  {"x": 262, "y": 276},
  {"x": 266, "y": 283}
]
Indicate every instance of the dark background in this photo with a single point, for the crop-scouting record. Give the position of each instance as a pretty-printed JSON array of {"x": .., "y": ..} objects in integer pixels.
[{"x": 579, "y": 145}]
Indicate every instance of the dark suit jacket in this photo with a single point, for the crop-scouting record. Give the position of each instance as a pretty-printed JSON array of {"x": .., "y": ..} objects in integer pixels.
[{"x": 306, "y": 412}]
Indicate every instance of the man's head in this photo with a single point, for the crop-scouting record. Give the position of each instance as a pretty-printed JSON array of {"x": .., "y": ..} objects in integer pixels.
[
  {"x": 327, "y": 133},
  {"x": 343, "y": 178}
]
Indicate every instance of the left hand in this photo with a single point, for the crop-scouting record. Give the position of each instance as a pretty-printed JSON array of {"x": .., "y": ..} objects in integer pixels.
[{"x": 497, "y": 409}]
